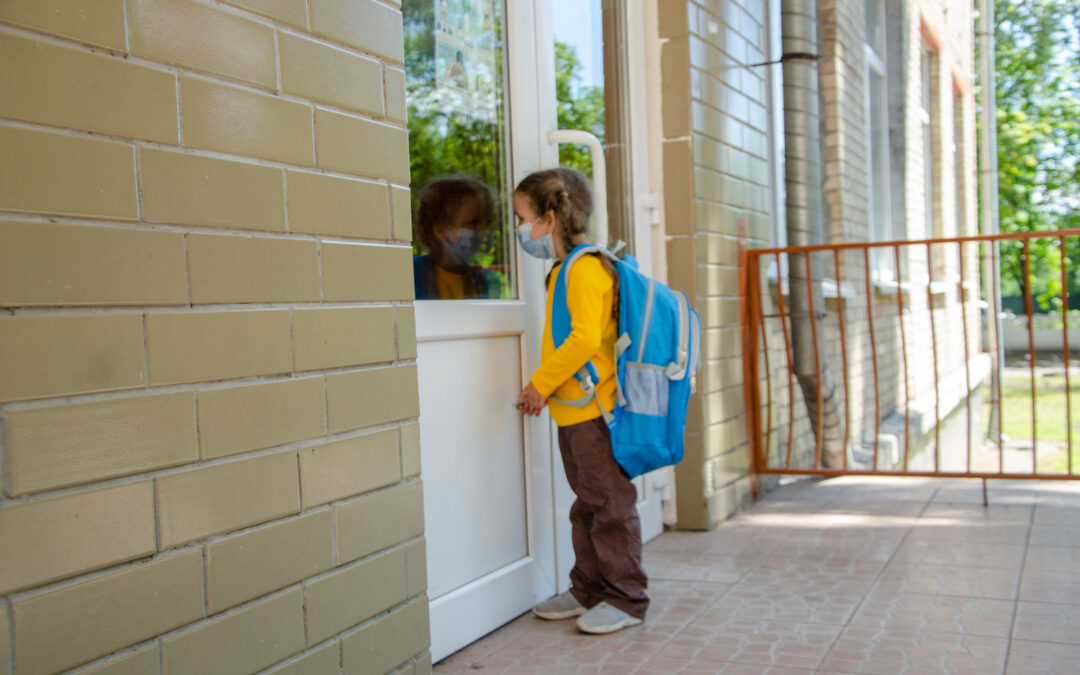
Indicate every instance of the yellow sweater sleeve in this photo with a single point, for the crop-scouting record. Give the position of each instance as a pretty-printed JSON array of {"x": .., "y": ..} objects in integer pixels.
[{"x": 586, "y": 289}]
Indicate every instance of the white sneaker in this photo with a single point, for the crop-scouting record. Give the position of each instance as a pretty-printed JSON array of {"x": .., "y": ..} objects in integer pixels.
[
  {"x": 562, "y": 606},
  {"x": 605, "y": 619}
]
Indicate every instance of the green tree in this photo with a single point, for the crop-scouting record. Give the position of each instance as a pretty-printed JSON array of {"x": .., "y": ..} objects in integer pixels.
[
  {"x": 1037, "y": 71},
  {"x": 579, "y": 107}
]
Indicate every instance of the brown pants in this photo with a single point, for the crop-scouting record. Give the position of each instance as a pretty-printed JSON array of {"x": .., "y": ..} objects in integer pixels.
[{"x": 604, "y": 522}]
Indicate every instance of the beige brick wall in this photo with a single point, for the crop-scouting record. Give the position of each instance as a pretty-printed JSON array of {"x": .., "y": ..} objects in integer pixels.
[
  {"x": 716, "y": 190},
  {"x": 716, "y": 193},
  {"x": 209, "y": 456}
]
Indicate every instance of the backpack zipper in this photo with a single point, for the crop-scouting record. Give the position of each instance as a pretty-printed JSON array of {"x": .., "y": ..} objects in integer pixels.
[{"x": 645, "y": 320}]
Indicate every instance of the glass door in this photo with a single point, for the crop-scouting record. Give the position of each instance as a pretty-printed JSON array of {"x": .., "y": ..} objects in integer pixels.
[{"x": 477, "y": 116}]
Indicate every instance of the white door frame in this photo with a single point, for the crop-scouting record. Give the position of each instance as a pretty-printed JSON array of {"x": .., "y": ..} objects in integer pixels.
[{"x": 465, "y": 614}]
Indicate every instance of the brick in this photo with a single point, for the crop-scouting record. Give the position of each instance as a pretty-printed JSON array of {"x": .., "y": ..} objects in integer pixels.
[
  {"x": 245, "y": 567},
  {"x": 251, "y": 417},
  {"x": 139, "y": 662},
  {"x": 673, "y": 18},
  {"x": 79, "y": 623},
  {"x": 56, "y": 538},
  {"x": 353, "y": 595},
  {"x": 678, "y": 188},
  {"x": 376, "y": 522},
  {"x": 363, "y": 24},
  {"x": 242, "y": 122},
  {"x": 360, "y": 399},
  {"x": 323, "y": 204},
  {"x": 323, "y": 661},
  {"x": 406, "y": 332},
  {"x": 410, "y": 450},
  {"x": 203, "y": 502},
  {"x": 72, "y": 444},
  {"x": 395, "y": 94},
  {"x": 388, "y": 642},
  {"x": 5, "y": 650},
  {"x": 675, "y": 87},
  {"x": 94, "y": 22},
  {"x": 362, "y": 147},
  {"x": 337, "y": 337},
  {"x": 360, "y": 273},
  {"x": 238, "y": 269},
  {"x": 286, "y": 11},
  {"x": 85, "y": 90},
  {"x": 423, "y": 665},
  {"x": 402, "y": 213},
  {"x": 44, "y": 264},
  {"x": 70, "y": 354},
  {"x": 243, "y": 642},
  {"x": 205, "y": 346},
  {"x": 189, "y": 34},
  {"x": 319, "y": 72},
  {"x": 415, "y": 568},
  {"x": 191, "y": 190},
  {"x": 345, "y": 468},
  {"x": 42, "y": 172}
]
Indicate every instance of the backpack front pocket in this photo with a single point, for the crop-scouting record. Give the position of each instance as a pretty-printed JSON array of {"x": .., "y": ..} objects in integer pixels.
[{"x": 646, "y": 389}]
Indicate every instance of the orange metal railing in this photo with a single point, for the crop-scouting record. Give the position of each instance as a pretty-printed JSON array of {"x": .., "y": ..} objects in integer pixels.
[{"x": 904, "y": 350}]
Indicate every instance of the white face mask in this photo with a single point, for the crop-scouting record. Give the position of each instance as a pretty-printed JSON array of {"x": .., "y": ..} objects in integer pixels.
[
  {"x": 544, "y": 247},
  {"x": 469, "y": 242}
]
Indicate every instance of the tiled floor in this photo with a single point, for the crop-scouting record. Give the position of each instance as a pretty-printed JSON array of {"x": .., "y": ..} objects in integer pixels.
[{"x": 849, "y": 575}]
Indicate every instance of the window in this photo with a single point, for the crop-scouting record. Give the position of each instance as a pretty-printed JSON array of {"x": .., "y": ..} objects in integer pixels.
[
  {"x": 877, "y": 139},
  {"x": 929, "y": 116}
]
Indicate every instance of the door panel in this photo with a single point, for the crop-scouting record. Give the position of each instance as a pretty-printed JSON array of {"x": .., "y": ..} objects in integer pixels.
[{"x": 474, "y": 488}]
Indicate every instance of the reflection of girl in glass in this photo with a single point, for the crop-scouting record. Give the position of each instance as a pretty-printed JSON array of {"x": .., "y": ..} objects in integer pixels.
[
  {"x": 454, "y": 223},
  {"x": 456, "y": 74}
]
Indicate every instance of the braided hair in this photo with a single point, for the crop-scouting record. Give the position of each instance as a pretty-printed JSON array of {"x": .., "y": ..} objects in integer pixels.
[{"x": 566, "y": 193}]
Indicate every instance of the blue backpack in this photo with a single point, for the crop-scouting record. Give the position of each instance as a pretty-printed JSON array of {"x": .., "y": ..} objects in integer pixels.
[{"x": 656, "y": 359}]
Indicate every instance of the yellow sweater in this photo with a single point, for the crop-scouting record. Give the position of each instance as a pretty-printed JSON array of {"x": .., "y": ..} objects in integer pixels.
[{"x": 593, "y": 331}]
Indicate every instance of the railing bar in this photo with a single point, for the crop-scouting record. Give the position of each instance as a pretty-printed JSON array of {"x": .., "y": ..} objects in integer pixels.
[
  {"x": 873, "y": 349},
  {"x": 787, "y": 355},
  {"x": 819, "y": 423},
  {"x": 1004, "y": 236},
  {"x": 1028, "y": 296},
  {"x": 768, "y": 369},
  {"x": 933, "y": 342},
  {"x": 994, "y": 289},
  {"x": 747, "y": 333},
  {"x": 903, "y": 353},
  {"x": 918, "y": 474},
  {"x": 1065, "y": 345},
  {"x": 843, "y": 353},
  {"x": 967, "y": 353}
]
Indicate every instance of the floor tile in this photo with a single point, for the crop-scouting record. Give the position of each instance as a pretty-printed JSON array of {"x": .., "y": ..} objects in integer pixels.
[
  {"x": 920, "y": 550},
  {"x": 890, "y": 652},
  {"x": 1047, "y": 622},
  {"x": 899, "y": 578},
  {"x": 1048, "y": 586},
  {"x": 718, "y": 638},
  {"x": 936, "y": 613},
  {"x": 1039, "y": 658}
]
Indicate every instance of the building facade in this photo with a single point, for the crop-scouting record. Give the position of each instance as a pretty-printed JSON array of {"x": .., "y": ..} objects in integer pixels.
[{"x": 238, "y": 436}]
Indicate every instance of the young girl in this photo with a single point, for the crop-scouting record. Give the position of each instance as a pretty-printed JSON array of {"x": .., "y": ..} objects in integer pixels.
[{"x": 607, "y": 582}]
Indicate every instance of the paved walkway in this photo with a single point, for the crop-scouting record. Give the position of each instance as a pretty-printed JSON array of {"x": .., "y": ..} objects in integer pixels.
[{"x": 850, "y": 575}]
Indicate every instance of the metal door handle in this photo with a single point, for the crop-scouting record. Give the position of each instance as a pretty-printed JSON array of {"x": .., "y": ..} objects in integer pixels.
[{"x": 599, "y": 177}]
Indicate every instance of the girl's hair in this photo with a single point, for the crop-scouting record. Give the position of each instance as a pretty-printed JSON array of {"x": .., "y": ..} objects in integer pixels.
[
  {"x": 441, "y": 198},
  {"x": 564, "y": 191}
]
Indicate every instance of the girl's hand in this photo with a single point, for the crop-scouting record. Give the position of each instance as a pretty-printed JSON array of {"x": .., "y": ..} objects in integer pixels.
[{"x": 530, "y": 401}]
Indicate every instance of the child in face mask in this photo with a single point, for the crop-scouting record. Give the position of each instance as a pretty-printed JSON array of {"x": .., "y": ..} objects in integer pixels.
[
  {"x": 454, "y": 222},
  {"x": 607, "y": 582}
]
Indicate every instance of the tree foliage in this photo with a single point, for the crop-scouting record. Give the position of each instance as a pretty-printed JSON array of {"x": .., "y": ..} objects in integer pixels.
[{"x": 1037, "y": 72}]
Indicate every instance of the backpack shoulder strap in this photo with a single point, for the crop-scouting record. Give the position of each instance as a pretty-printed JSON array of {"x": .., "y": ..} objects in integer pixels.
[{"x": 560, "y": 308}]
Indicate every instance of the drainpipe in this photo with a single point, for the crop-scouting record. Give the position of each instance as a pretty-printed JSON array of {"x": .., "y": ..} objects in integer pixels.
[
  {"x": 989, "y": 197},
  {"x": 802, "y": 155}
]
